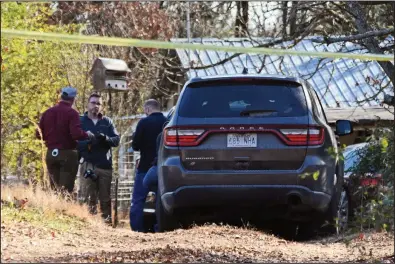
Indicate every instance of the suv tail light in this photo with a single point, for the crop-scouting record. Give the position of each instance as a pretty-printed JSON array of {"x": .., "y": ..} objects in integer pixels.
[
  {"x": 304, "y": 136},
  {"x": 187, "y": 137},
  {"x": 182, "y": 137}
]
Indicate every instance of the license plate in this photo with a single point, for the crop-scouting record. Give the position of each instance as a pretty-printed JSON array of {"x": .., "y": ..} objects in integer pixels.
[{"x": 242, "y": 140}]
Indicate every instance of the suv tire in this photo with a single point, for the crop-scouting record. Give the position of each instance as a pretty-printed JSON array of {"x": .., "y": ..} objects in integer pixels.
[
  {"x": 339, "y": 197},
  {"x": 326, "y": 222},
  {"x": 323, "y": 223}
]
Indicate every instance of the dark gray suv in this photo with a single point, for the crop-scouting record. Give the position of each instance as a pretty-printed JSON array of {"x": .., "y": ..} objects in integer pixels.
[{"x": 249, "y": 146}]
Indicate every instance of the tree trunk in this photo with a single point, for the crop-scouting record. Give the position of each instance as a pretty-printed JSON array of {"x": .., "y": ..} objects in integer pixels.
[
  {"x": 371, "y": 43},
  {"x": 292, "y": 18},
  {"x": 244, "y": 25},
  {"x": 238, "y": 20},
  {"x": 241, "y": 25},
  {"x": 284, "y": 7}
]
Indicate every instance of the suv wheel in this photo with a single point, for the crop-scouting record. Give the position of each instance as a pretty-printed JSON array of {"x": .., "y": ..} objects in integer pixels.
[
  {"x": 342, "y": 213},
  {"x": 334, "y": 221},
  {"x": 336, "y": 218},
  {"x": 166, "y": 222}
]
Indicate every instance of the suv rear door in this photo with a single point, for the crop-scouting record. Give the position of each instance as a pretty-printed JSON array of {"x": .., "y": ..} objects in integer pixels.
[{"x": 242, "y": 124}]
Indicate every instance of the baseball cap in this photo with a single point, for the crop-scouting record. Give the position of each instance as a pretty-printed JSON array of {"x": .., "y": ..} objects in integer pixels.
[{"x": 69, "y": 91}]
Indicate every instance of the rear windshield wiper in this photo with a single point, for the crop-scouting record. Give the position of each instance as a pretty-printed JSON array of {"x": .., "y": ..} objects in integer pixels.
[{"x": 256, "y": 112}]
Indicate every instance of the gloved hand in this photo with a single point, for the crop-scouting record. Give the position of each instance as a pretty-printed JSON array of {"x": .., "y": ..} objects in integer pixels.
[{"x": 101, "y": 137}]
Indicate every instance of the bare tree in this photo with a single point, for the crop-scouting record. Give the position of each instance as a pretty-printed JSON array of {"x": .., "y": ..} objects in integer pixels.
[
  {"x": 158, "y": 73},
  {"x": 370, "y": 42},
  {"x": 241, "y": 23}
]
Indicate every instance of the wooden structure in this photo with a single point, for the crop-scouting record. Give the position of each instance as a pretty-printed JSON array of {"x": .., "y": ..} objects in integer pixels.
[{"x": 110, "y": 75}]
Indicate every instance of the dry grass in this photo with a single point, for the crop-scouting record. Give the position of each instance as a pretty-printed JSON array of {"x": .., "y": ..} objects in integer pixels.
[{"x": 47, "y": 202}]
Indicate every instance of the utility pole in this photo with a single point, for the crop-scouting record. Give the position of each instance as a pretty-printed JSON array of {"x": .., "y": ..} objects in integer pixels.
[{"x": 189, "y": 31}]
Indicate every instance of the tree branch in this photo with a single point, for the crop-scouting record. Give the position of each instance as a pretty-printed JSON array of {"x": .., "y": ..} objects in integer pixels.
[
  {"x": 306, "y": 30},
  {"x": 374, "y": 3},
  {"x": 376, "y": 33},
  {"x": 275, "y": 42}
]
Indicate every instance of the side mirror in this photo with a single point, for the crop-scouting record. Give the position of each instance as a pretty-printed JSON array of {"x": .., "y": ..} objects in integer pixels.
[{"x": 343, "y": 127}]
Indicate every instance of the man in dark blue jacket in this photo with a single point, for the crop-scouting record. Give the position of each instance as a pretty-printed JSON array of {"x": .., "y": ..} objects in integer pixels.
[
  {"x": 151, "y": 177},
  {"x": 144, "y": 140},
  {"x": 96, "y": 158}
]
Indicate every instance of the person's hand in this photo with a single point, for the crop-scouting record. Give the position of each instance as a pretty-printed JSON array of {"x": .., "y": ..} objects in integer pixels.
[{"x": 90, "y": 135}]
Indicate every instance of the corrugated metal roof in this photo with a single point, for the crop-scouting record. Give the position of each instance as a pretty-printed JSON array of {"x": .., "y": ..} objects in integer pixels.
[{"x": 338, "y": 82}]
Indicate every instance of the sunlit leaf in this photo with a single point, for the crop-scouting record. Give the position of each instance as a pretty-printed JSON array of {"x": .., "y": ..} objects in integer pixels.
[
  {"x": 384, "y": 144},
  {"x": 316, "y": 175}
]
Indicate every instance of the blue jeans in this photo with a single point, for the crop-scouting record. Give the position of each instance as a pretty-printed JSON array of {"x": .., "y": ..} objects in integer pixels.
[
  {"x": 151, "y": 179},
  {"x": 139, "y": 196}
]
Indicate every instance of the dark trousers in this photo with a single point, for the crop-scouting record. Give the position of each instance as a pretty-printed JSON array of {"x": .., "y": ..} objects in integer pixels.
[
  {"x": 139, "y": 195},
  {"x": 62, "y": 169},
  {"x": 92, "y": 190},
  {"x": 150, "y": 180}
]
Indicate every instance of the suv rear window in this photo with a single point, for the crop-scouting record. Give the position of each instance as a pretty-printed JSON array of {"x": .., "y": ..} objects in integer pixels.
[{"x": 235, "y": 99}]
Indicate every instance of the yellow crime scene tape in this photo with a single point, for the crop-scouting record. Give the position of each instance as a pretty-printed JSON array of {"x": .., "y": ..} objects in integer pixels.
[{"x": 127, "y": 42}]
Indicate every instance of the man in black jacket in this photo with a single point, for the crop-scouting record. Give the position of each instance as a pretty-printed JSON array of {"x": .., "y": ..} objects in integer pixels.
[
  {"x": 144, "y": 140},
  {"x": 96, "y": 158},
  {"x": 151, "y": 177}
]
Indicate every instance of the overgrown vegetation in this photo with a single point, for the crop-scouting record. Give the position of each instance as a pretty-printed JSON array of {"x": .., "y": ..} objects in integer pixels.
[
  {"x": 32, "y": 73},
  {"x": 39, "y": 218},
  {"x": 376, "y": 158},
  {"x": 43, "y": 208}
]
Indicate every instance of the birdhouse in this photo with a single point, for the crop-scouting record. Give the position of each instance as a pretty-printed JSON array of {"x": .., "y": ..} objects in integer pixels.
[{"x": 109, "y": 74}]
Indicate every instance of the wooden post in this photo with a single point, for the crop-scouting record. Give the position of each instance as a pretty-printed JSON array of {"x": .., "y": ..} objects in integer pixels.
[
  {"x": 109, "y": 102},
  {"x": 115, "y": 206}
]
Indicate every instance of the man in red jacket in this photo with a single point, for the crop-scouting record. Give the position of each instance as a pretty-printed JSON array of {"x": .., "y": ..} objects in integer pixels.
[{"x": 60, "y": 126}]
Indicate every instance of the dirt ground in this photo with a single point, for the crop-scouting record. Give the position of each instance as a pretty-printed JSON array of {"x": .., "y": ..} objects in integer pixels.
[{"x": 23, "y": 242}]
